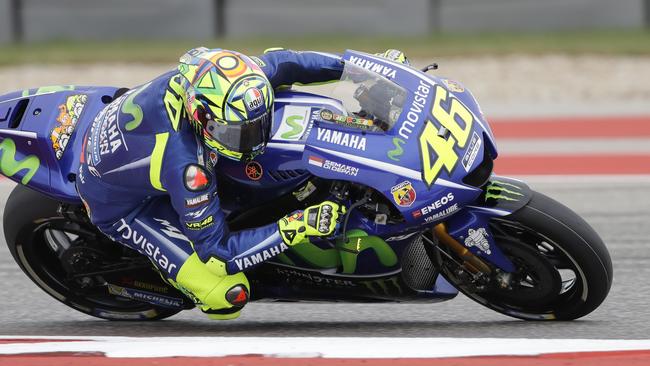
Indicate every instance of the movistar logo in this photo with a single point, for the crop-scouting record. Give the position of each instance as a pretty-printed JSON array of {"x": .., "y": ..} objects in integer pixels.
[
  {"x": 9, "y": 166},
  {"x": 296, "y": 127},
  {"x": 503, "y": 191},
  {"x": 130, "y": 107},
  {"x": 397, "y": 152},
  {"x": 345, "y": 253}
]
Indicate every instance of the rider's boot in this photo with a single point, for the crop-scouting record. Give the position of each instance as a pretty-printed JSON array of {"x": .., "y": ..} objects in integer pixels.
[{"x": 219, "y": 295}]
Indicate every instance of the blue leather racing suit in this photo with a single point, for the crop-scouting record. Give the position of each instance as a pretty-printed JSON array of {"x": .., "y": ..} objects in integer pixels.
[{"x": 133, "y": 174}]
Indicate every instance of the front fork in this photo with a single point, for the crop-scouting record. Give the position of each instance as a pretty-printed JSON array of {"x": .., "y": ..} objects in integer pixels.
[{"x": 468, "y": 232}]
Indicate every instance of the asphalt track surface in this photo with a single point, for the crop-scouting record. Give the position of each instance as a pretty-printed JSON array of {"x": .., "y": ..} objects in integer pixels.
[{"x": 618, "y": 207}]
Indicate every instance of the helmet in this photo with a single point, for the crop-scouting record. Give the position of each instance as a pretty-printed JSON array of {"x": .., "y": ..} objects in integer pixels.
[{"x": 229, "y": 101}]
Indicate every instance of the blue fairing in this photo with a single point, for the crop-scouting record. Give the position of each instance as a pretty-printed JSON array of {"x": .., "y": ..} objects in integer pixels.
[{"x": 34, "y": 134}]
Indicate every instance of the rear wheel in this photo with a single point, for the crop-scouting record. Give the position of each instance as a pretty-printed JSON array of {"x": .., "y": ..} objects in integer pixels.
[
  {"x": 73, "y": 262},
  {"x": 564, "y": 270}
]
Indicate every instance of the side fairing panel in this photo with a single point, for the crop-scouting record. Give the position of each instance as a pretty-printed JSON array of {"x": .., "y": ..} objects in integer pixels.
[{"x": 41, "y": 131}]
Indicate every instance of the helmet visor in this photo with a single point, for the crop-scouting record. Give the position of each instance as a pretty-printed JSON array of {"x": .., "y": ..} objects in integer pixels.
[{"x": 243, "y": 136}]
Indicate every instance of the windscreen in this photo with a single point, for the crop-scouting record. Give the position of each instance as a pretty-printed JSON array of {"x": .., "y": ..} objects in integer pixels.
[{"x": 372, "y": 101}]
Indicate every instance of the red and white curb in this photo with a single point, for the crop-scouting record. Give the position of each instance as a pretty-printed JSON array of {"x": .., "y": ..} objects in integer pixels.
[
  {"x": 55, "y": 351},
  {"x": 572, "y": 145}
]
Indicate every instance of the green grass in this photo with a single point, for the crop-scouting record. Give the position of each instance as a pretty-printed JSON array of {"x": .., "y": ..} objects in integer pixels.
[{"x": 633, "y": 42}]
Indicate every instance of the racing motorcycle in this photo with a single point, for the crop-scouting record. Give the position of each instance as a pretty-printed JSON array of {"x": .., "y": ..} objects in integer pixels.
[{"x": 411, "y": 156}]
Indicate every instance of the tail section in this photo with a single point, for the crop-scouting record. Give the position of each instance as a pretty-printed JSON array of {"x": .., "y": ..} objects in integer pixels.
[{"x": 41, "y": 132}]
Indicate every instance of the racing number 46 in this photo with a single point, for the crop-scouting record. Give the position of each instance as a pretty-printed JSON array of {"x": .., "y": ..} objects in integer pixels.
[{"x": 438, "y": 151}]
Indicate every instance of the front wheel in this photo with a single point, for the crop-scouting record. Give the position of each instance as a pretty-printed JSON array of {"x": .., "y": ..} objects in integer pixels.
[{"x": 564, "y": 270}]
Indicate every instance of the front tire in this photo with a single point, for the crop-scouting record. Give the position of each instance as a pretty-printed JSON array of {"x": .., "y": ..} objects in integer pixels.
[{"x": 564, "y": 270}]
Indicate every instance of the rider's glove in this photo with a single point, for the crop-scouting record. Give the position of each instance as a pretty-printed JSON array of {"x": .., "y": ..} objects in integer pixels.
[
  {"x": 318, "y": 220},
  {"x": 394, "y": 55}
]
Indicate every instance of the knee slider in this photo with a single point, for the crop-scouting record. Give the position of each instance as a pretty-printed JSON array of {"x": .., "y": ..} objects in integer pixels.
[{"x": 227, "y": 298}]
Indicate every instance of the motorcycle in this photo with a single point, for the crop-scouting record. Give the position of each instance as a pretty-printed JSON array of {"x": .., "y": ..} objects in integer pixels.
[{"x": 411, "y": 155}]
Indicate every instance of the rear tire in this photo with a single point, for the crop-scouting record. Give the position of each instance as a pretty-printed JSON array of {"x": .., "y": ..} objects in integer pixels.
[
  {"x": 564, "y": 269},
  {"x": 28, "y": 217}
]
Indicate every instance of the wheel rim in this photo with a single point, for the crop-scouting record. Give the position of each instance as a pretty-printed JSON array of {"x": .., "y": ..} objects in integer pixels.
[
  {"x": 549, "y": 293},
  {"x": 40, "y": 260}
]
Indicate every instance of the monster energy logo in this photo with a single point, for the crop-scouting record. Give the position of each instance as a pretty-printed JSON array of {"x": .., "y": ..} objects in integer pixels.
[
  {"x": 503, "y": 191},
  {"x": 397, "y": 152},
  {"x": 385, "y": 286},
  {"x": 296, "y": 127},
  {"x": 10, "y": 166},
  {"x": 130, "y": 107}
]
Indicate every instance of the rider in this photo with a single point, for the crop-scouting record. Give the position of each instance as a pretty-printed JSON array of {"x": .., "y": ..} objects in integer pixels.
[{"x": 147, "y": 168}]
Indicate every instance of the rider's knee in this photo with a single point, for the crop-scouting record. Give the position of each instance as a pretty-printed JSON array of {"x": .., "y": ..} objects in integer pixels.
[
  {"x": 221, "y": 296},
  {"x": 228, "y": 298}
]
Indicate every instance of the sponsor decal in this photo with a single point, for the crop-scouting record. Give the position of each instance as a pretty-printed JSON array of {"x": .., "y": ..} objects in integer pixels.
[
  {"x": 478, "y": 238},
  {"x": 453, "y": 85},
  {"x": 105, "y": 133},
  {"x": 253, "y": 99},
  {"x": 341, "y": 168},
  {"x": 334, "y": 166},
  {"x": 296, "y": 216},
  {"x": 472, "y": 152},
  {"x": 171, "y": 230},
  {"x": 403, "y": 194},
  {"x": 254, "y": 170},
  {"x": 196, "y": 214},
  {"x": 196, "y": 178},
  {"x": 441, "y": 214},
  {"x": 200, "y": 225},
  {"x": 505, "y": 191},
  {"x": 295, "y": 120},
  {"x": 257, "y": 258},
  {"x": 145, "y": 296},
  {"x": 373, "y": 66},
  {"x": 144, "y": 285},
  {"x": 313, "y": 160},
  {"x": 289, "y": 235},
  {"x": 69, "y": 114},
  {"x": 348, "y": 140},
  {"x": 131, "y": 108},
  {"x": 142, "y": 245},
  {"x": 413, "y": 115},
  {"x": 348, "y": 121},
  {"x": 398, "y": 151},
  {"x": 432, "y": 207},
  {"x": 10, "y": 166},
  {"x": 197, "y": 201}
]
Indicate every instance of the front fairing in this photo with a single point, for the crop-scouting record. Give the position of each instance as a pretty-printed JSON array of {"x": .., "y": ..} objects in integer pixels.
[{"x": 420, "y": 164}]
